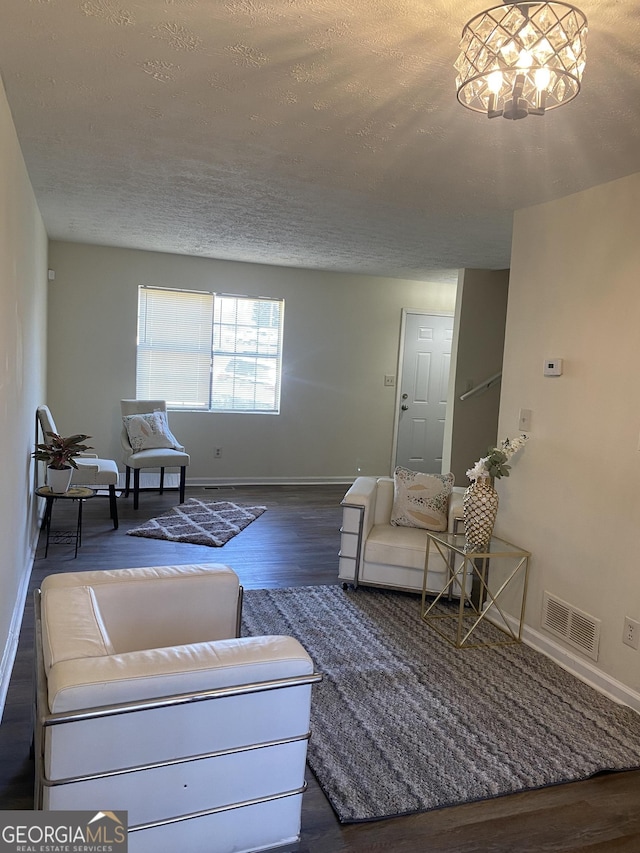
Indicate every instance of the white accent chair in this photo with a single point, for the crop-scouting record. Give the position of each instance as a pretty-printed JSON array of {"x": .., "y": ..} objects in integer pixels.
[
  {"x": 157, "y": 457},
  {"x": 92, "y": 471},
  {"x": 147, "y": 701},
  {"x": 373, "y": 552}
]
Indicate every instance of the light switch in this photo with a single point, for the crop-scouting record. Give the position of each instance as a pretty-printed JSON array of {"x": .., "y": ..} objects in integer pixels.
[
  {"x": 524, "y": 420},
  {"x": 389, "y": 380}
]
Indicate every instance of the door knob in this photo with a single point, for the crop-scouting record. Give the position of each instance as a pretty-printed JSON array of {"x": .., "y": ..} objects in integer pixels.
[{"x": 404, "y": 407}]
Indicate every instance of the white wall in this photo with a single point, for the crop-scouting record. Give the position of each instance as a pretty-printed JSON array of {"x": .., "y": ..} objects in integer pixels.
[
  {"x": 23, "y": 271},
  {"x": 573, "y": 497},
  {"x": 340, "y": 337}
]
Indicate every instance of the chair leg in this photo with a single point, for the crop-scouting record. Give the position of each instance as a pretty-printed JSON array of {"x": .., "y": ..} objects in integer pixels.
[
  {"x": 136, "y": 487},
  {"x": 113, "y": 506},
  {"x": 127, "y": 480},
  {"x": 183, "y": 478},
  {"x": 161, "y": 480}
]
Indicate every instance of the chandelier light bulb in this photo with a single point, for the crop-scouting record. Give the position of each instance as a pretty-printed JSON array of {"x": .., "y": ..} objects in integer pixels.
[
  {"x": 542, "y": 78},
  {"x": 525, "y": 60},
  {"x": 494, "y": 82},
  {"x": 521, "y": 59}
]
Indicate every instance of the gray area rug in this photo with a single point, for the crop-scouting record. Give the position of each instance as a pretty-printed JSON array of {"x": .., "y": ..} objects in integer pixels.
[
  {"x": 200, "y": 522},
  {"x": 402, "y": 722}
]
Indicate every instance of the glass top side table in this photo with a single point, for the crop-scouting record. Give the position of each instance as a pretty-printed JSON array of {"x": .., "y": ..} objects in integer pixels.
[
  {"x": 75, "y": 493},
  {"x": 483, "y": 600}
]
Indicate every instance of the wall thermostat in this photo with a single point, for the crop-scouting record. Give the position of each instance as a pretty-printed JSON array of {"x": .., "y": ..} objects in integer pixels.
[{"x": 553, "y": 367}]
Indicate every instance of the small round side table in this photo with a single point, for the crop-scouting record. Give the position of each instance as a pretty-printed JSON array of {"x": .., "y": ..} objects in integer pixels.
[{"x": 75, "y": 493}]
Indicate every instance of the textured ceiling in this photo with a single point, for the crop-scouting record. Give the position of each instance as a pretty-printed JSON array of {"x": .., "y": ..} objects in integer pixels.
[{"x": 322, "y": 134}]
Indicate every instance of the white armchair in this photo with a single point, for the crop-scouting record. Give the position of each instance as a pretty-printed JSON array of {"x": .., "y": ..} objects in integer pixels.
[
  {"x": 376, "y": 553},
  {"x": 148, "y": 702},
  {"x": 92, "y": 471}
]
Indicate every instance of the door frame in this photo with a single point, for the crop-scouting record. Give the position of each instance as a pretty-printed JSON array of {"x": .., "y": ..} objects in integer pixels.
[{"x": 403, "y": 328}]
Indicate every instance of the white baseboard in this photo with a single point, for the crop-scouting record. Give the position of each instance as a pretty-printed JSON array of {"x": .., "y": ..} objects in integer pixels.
[
  {"x": 221, "y": 482},
  {"x": 581, "y": 668},
  {"x": 11, "y": 646},
  {"x": 171, "y": 481},
  {"x": 149, "y": 481}
]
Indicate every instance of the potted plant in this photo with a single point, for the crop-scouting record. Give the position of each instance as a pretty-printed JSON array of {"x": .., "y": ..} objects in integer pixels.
[{"x": 59, "y": 453}]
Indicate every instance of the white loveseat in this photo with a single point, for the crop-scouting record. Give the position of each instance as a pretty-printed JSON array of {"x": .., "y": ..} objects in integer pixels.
[
  {"x": 374, "y": 552},
  {"x": 147, "y": 701}
]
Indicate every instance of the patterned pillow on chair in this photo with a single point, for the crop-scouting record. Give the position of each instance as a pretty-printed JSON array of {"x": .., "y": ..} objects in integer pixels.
[
  {"x": 421, "y": 500},
  {"x": 149, "y": 431}
]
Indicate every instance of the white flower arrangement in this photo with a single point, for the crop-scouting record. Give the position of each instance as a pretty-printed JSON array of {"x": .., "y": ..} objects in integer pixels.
[{"x": 495, "y": 463}]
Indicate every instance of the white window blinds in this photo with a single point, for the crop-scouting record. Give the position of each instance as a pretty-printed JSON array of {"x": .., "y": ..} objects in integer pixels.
[{"x": 206, "y": 351}]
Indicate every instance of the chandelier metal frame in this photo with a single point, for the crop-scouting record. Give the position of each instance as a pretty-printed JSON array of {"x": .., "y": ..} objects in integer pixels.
[{"x": 520, "y": 59}]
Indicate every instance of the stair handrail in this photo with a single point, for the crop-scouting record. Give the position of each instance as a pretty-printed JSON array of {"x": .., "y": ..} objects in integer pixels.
[{"x": 482, "y": 386}]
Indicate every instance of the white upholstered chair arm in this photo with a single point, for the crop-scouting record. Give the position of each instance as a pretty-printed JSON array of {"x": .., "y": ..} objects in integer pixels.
[
  {"x": 93, "y": 682},
  {"x": 85, "y": 466},
  {"x": 362, "y": 495},
  {"x": 456, "y": 512},
  {"x": 362, "y": 491}
]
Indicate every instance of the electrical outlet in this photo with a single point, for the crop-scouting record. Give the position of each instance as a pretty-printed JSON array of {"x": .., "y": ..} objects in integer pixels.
[
  {"x": 217, "y": 452},
  {"x": 631, "y": 633}
]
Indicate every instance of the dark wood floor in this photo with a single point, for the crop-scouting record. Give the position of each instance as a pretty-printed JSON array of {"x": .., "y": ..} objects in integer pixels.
[{"x": 295, "y": 543}]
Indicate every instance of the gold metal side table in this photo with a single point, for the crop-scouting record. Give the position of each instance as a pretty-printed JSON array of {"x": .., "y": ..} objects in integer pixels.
[{"x": 487, "y": 589}]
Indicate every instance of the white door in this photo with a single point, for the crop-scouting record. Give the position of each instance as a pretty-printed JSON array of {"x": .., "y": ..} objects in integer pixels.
[{"x": 422, "y": 398}]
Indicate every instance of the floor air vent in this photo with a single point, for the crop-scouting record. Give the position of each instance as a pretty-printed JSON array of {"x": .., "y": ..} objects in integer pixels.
[{"x": 575, "y": 627}]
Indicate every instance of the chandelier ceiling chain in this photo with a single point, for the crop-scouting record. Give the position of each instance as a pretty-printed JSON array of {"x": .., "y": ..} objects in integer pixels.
[{"x": 521, "y": 59}]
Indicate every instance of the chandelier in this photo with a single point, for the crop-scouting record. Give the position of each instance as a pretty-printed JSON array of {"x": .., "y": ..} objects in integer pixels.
[{"x": 521, "y": 59}]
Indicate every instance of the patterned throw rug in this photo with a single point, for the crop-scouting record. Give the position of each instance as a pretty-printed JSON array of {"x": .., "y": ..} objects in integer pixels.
[
  {"x": 200, "y": 522},
  {"x": 402, "y": 722}
]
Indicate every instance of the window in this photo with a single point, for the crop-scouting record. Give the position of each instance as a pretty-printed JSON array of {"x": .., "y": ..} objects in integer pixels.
[{"x": 209, "y": 352}]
